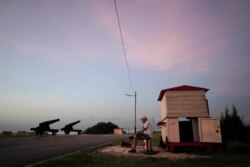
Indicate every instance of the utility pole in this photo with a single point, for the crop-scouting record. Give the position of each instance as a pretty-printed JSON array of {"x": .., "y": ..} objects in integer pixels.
[{"x": 135, "y": 108}]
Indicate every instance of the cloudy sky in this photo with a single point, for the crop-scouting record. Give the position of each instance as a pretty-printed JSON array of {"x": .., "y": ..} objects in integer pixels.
[{"x": 64, "y": 59}]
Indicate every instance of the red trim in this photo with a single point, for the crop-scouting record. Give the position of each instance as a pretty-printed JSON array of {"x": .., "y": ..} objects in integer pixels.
[
  {"x": 172, "y": 145},
  {"x": 181, "y": 88}
]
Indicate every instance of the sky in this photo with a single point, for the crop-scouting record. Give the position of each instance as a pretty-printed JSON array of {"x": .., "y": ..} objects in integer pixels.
[{"x": 64, "y": 58}]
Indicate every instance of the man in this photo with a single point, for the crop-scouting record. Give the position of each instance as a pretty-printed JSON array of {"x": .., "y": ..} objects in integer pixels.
[{"x": 145, "y": 134}]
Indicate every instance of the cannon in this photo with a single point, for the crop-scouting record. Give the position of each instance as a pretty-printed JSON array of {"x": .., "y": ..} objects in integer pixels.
[
  {"x": 69, "y": 128},
  {"x": 44, "y": 126}
]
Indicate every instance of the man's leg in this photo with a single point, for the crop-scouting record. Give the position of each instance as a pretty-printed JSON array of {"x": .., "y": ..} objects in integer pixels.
[
  {"x": 136, "y": 137},
  {"x": 139, "y": 136},
  {"x": 135, "y": 142},
  {"x": 148, "y": 145}
]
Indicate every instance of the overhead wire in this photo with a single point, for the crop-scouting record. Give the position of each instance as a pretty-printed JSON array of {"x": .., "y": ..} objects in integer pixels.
[{"x": 123, "y": 46}]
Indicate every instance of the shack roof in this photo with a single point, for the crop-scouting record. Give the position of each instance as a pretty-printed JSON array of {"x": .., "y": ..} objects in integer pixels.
[{"x": 181, "y": 88}]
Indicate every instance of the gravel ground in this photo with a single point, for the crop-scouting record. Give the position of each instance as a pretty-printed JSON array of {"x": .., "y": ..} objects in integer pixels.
[{"x": 123, "y": 151}]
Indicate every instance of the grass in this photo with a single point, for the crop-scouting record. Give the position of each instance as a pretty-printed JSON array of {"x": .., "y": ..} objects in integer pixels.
[
  {"x": 156, "y": 138},
  {"x": 238, "y": 147},
  {"x": 92, "y": 158},
  {"x": 95, "y": 159},
  {"x": 154, "y": 141}
]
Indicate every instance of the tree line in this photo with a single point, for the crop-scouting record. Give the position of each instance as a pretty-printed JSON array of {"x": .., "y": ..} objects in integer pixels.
[{"x": 233, "y": 127}]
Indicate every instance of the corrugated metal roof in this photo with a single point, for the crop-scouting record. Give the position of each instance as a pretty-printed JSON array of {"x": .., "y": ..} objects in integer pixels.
[{"x": 181, "y": 88}]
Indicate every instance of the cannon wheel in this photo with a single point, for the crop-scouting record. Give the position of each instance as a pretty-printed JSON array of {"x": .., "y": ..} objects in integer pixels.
[{"x": 66, "y": 132}]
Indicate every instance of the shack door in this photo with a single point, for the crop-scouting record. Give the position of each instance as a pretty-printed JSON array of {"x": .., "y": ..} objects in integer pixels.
[
  {"x": 209, "y": 130},
  {"x": 186, "y": 131}
]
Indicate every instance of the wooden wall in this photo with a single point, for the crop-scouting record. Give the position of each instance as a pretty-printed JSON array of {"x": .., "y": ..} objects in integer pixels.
[
  {"x": 163, "y": 107},
  {"x": 184, "y": 104},
  {"x": 118, "y": 131},
  {"x": 172, "y": 130}
]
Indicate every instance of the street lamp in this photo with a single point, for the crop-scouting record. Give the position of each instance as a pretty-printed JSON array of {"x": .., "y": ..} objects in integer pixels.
[{"x": 135, "y": 108}]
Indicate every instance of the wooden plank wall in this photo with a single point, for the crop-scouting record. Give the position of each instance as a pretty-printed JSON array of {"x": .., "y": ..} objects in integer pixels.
[
  {"x": 164, "y": 133},
  {"x": 173, "y": 132},
  {"x": 185, "y": 104},
  {"x": 163, "y": 107}
]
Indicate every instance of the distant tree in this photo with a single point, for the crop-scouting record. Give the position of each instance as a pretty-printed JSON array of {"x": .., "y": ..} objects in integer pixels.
[
  {"x": 101, "y": 128},
  {"x": 232, "y": 126},
  {"x": 225, "y": 123},
  {"x": 237, "y": 121}
]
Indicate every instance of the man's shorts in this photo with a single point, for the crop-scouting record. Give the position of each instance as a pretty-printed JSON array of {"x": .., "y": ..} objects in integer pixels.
[{"x": 142, "y": 136}]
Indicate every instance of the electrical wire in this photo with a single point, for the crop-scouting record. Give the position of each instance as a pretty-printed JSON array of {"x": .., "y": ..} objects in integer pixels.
[{"x": 123, "y": 46}]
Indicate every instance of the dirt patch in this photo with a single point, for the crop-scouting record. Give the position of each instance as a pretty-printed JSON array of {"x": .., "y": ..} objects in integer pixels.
[
  {"x": 152, "y": 165},
  {"x": 123, "y": 151}
]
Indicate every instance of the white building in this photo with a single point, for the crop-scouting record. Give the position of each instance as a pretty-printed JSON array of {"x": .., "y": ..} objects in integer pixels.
[{"x": 185, "y": 119}]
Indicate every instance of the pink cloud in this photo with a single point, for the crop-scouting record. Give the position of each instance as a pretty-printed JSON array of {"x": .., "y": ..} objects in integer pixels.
[
  {"x": 158, "y": 34},
  {"x": 163, "y": 34}
]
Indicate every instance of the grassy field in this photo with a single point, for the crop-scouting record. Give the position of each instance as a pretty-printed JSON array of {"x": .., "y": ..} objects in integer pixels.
[
  {"x": 238, "y": 156},
  {"x": 95, "y": 159}
]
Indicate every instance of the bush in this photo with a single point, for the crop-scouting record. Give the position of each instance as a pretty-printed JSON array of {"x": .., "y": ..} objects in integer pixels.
[{"x": 101, "y": 128}]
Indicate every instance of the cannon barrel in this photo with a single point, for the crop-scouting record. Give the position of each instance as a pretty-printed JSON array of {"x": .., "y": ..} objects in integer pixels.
[
  {"x": 70, "y": 126},
  {"x": 73, "y": 123},
  {"x": 49, "y": 122}
]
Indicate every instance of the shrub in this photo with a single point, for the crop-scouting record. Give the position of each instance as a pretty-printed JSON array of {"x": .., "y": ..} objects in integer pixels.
[{"x": 101, "y": 128}]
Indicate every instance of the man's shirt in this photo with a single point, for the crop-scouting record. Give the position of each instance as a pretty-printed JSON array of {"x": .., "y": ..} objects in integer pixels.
[{"x": 147, "y": 125}]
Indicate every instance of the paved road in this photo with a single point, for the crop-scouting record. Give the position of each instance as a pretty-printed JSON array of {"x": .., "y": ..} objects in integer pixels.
[{"x": 21, "y": 152}]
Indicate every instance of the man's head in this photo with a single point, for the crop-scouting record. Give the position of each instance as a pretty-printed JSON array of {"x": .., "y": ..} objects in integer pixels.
[{"x": 144, "y": 119}]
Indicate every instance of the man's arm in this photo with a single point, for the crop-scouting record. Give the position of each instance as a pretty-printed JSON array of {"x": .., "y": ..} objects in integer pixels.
[{"x": 145, "y": 127}]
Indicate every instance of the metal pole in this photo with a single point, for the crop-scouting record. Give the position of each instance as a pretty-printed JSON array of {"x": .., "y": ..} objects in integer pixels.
[
  {"x": 135, "y": 112},
  {"x": 153, "y": 124}
]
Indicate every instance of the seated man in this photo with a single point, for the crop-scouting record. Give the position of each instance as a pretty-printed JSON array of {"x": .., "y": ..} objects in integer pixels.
[{"x": 145, "y": 134}]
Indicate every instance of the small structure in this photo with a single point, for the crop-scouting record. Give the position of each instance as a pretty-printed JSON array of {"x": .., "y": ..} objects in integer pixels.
[
  {"x": 23, "y": 133},
  {"x": 185, "y": 118},
  {"x": 118, "y": 131}
]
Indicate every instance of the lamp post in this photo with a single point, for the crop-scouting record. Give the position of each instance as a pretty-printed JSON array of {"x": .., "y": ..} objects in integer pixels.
[{"x": 135, "y": 108}]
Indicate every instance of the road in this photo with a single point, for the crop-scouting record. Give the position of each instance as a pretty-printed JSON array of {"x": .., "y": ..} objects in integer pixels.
[{"x": 22, "y": 152}]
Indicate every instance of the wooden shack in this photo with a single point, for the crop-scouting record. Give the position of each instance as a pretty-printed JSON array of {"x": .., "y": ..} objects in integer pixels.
[
  {"x": 118, "y": 131},
  {"x": 185, "y": 119}
]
